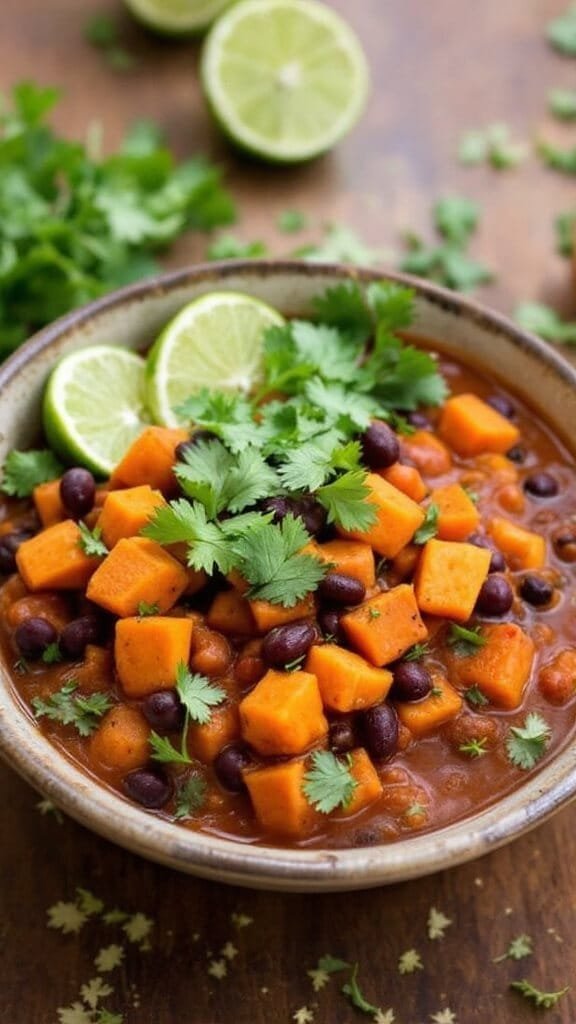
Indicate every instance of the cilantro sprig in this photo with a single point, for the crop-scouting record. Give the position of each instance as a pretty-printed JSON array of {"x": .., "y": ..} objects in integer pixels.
[
  {"x": 199, "y": 697},
  {"x": 543, "y": 1000},
  {"x": 270, "y": 560},
  {"x": 527, "y": 743},
  {"x": 329, "y": 783},
  {"x": 23, "y": 471},
  {"x": 90, "y": 541},
  {"x": 465, "y": 642},
  {"x": 455, "y": 219},
  {"x": 68, "y": 707}
]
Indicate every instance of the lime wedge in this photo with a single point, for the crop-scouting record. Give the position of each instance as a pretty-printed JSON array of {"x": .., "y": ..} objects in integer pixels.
[
  {"x": 284, "y": 78},
  {"x": 177, "y": 17},
  {"x": 215, "y": 342},
  {"x": 94, "y": 406}
]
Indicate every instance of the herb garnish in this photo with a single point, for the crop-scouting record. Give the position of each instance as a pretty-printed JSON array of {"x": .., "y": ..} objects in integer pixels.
[
  {"x": 199, "y": 696},
  {"x": 190, "y": 796},
  {"x": 562, "y": 103},
  {"x": 565, "y": 225},
  {"x": 429, "y": 527},
  {"x": 543, "y": 1000},
  {"x": 561, "y": 32},
  {"x": 455, "y": 220},
  {"x": 145, "y": 609},
  {"x": 291, "y": 221},
  {"x": 542, "y": 320},
  {"x": 90, "y": 541},
  {"x": 23, "y": 471},
  {"x": 71, "y": 708},
  {"x": 352, "y": 991},
  {"x": 474, "y": 748},
  {"x": 329, "y": 783},
  {"x": 417, "y": 652},
  {"x": 492, "y": 144},
  {"x": 527, "y": 744},
  {"x": 519, "y": 948},
  {"x": 563, "y": 160},
  {"x": 475, "y": 697},
  {"x": 229, "y": 247},
  {"x": 52, "y": 654},
  {"x": 465, "y": 642},
  {"x": 102, "y": 33}
]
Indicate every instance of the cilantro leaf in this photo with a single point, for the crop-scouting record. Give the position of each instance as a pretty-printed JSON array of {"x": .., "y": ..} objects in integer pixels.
[
  {"x": 475, "y": 697},
  {"x": 102, "y": 33},
  {"x": 344, "y": 306},
  {"x": 228, "y": 247},
  {"x": 456, "y": 220},
  {"x": 145, "y": 608},
  {"x": 465, "y": 642},
  {"x": 391, "y": 304},
  {"x": 332, "y": 965},
  {"x": 474, "y": 748},
  {"x": 23, "y": 471},
  {"x": 565, "y": 225},
  {"x": 542, "y": 320},
  {"x": 526, "y": 744},
  {"x": 429, "y": 527},
  {"x": 291, "y": 221},
  {"x": 165, "y": 752},
  {"x": 329, "y": 783},
  {"x": 561, "y": 32},
  {"x": 190, "y": 796},
  {"x": 417, "y": 652},
  {"x": 519, "y": 948},
  {"x": 352, "y": 991},
  {"x": 347, "y": 408},
  {"x": 90, "y": 541},
  {"x": 308, "y": 466},
  {"x": 493, "y": 144},
  {"x": 182, "y": 522},
  {"x": 340, "y": 245},
  {"x": 272, "y": 563},
  {"x": 68, "y": 707},
  {"x": 563, "y": 160},
  {"x": 543, "y": 1000},
  {"x": 562, "y": 103},
  {"x": 229, "y": 416},
  {"x": 346, "y": 501},
  {"x": 197, "y": 694},
  {"x": 52, "y": 654}
]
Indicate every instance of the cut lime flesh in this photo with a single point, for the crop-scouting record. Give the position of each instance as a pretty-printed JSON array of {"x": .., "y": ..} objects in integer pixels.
[
  {"x": 285, "y": 78},
  {"x": 215, "y": 342},
  {"x": 177, "y": 17},
  {"x": 94, "y": 406}
]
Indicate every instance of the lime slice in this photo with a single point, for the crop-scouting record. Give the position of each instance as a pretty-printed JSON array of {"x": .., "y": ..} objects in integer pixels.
[
  {"x": 285, "y": 78},
  {"x": 215, "y": 342},
  {"x": 177, "y": 17},
  {"x": 94, "y": 406}
]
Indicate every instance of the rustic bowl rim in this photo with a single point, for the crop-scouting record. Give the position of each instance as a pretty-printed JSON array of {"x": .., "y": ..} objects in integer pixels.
[{"x": 211, "y": 856}]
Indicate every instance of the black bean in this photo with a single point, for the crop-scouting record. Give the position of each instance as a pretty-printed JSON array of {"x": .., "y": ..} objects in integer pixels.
[
  {"x": 164, "y": 711},
  {"x": 9, "y": 545},
  {"x": 541, "y": 485},
  {"x": 148, "y": 786},
  {"x": 284, "y": 644},
  {"x": 379, "y": 726},
  {"x": 496, "y": 597},
  {"x": 340, "y": 589},
  {"x": 565, "y": 544},
  {"x": 229, "y": 765},
  {"x": 76, "y": 636},
  {"x": 516, "y": 454},
  {"x": 33, "y": 636},
  {"x": 77, "y": 491},
  {"x": 313, "y": 515},
  {"x": 503, "y": 405},
  {"x": 418, "y": 420},
  {"x": 536, "y": 591},
  {"x": 380, "y": 446},
  {"x": 280, "y": 507},
  {"x": 329, "y": 622},
  {"x": 411, "y": 681},
  {"x": 341, "y": 736},
  {"x": 497, "y": 560}
]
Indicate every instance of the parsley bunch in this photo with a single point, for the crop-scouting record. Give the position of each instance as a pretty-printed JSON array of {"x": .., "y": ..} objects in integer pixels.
[{"x": 74, "y": 225}]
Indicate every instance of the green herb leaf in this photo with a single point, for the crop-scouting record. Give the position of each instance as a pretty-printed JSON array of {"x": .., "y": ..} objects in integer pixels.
[
  {"x": 346, "y": 501},
  {"x": 190, "y": 797},
  {"x": 182, "y": 522},
  {"x": 563, "y": 160},
  {"x": 474, "y": 748},
  {"x": 519, "y": 948},
  {"x": 165, "y": 751},
  {"x": 71, "y": 708},
  {"x": 219, "y": 480},
  {"x": 90, "y": 541},
  {"x": 493, "y": 144},
  {"x": 345, "y": 307},
  {"x": 561, "y": 32},
  {"x": 429, "y": 527},
  {"x": 332, "y": 965},
  {"x": 562, "y": 103},
  {"x": 272, "y": 564},
  {"x": 565, "y": 225},
  {"x": 145, "y": 609},
  {"x": 23, "y": 471},
  {"x": 229, "y": 247},
  {"x": 543, "y": 1000},
  {"x": 455, "y": 219},
  {"x": 101, "y": 31},
  {"x": 340, "y": 245},
  {"x": 352, "y": 992},
  {"x": 473, "y": 148},
  {"x": 465, "y": 642},
  {"x": 475, "y": 697},
  {"x": 417, "y": 652},
  {"x": 291, "y": 221},
  {"x": 52, "y": 654},
  {"x": 329, "y": 783},
  {"x": 527, "y": 744},
  {"x": 197, "y": 694},
  {"x": 229, "y": 416},
  {"x": 540, "y": 319}
]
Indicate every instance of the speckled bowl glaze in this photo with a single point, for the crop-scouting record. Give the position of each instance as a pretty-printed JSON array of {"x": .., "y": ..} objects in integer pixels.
[{"x": 132, "y": 317}]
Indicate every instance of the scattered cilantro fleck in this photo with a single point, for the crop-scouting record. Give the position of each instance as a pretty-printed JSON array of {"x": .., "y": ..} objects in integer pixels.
[
  {"x": 291, "y": 221},
  {"x": 23, "y": 471},
  {"x": 475, "y": 697},
  {"x": 445, "y": 1016},
  {"x": 526, "y": 744},
  {"x": 66, "y": 917},
  {"x": 563, "y": 160},
  {"x": 436, "y": 691},
  {"x": 543, "y": 1000},
  {"x": 346, "y": 501},
  {"x": 415, "y": 810},
  {"x": 329, "y": 783},
  {"x": 47, "y": 807},
  {"x": 190, "y": 797},
  {"x": 519, "y": 948},
  {"x": 352, "y": 992},
  {"x": 561, "y": 32},
  {"x": 448, "y": 263},
  {"x": 465, "y": 642},
  {"x": 417, "y": 652},
  {"x": 492, "y": 144},
  {"x": 228, "y": 247},
  {"x": 562, "y": 103},
  {"x": 145, "y": 608},
  {"x": 52, "y": 654},
  {"x": 332, "y": 964},
  {"x": 71, "y": 708},
  {"x": 108, "y": 958},
  {"x": 340, "y": 245},
  {"x": 102, "y": 33},
  {"x": 475, "y": 748},
  {"x": 90, "y": 541},
  {"x": 374, "y": 613},
  {"x": 437, "y": 924},
  {"x": 199, "y": 696},
  {"x": 295, "y": 665},
  {"x": 272, "y": 562},
  {"x": 429, "y": 527},
  {"x": 409, "y": 962},
  {"x": 565, "y": 226},
  {"x": 542, "y": 320}
]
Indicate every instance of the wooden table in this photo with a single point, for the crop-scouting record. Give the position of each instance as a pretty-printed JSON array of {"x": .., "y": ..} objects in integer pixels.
[{"x": 438, "y": 69}]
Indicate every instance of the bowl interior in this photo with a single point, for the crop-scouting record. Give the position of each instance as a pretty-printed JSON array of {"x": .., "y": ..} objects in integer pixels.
[{"x": 133, "y": 318}]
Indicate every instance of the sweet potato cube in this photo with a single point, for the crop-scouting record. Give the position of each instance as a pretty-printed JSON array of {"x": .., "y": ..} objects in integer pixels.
[
  {"x": 48, "y": 503},
  {"x": 124, "y": 513},
  {"x": 121, "y": 740},
  {"x": 398, "y": 518},
  {"x": 150, "y": 460},
  {"x": 368, "y": 785},
  {"x": 283, "y": 714},
  {"x": 428, "y": 453},
  {"x": 522, "y": 548},
  {"x": 501, "y": 668},
  {"x": 384, "y": 627},
  {"x": 347, "y": 682},
  {"x": 458, "y": 516},
  {"x": 407, "y": 479},
  {"x": 441, "y": 704},
  {"x": 278, "y": 799},
  {"x": 449, "y": 577},
  {"x": 148, "y": 651},
  {"x": 230, "y": 613},
  {"x": 137, "y": 570},
  {"x": 206, "y": 741},
  {"x": 267, "y": 615},
  {"x": 54, "y": 560},
  {"x": 352, "y": 557},
  {"x": 471, "y": 426}
]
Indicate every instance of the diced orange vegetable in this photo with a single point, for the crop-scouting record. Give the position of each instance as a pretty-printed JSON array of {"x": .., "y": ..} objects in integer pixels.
[
  {"x": 121, "y": 740},
  {"x": 52, "y": 607},
  {"x": 458, "y": 516},
  {"x": 230, "y": 613},
  {"x": 124, "y": 513},
  {"x": 407, "y": 479},
  {"x": 497, "y": 466},
  {"x": 442, "y": 704},
  {"x": 267, "y": 615},
  {"x": 368, "y": 786},
  {"x": 522, "y": 548},
  {"x": 511, "y": 498},
  {"x": 406, "y": 561},
  {"x": 501, "y": 668},
  {"x": 54, "y": 560},
  {"x": 278, "y": 799},
  {"x": 352, "y": 557},
  {"x": 94, "y": 672},
  {"x": 150, "y": 460},
  {"x": 398, "y": 518},
  {"x": 206, "y": 741},
  {"x": 449, "y": 577},
  {"x": 148, "y": 651},
  {"x": 471, "y": 426},
  {"x": 48, "y": 503},
  {"x": 384, "y": 627},
  {"x": 347, "y": 682},
  {"x": 136, "y": 570},
  {"x": 428, "y": 453},
  {"x": 283, "y": 714}
]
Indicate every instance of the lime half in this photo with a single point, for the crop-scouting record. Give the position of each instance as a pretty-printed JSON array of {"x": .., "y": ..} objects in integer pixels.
[
  {"x": 177, "y": 17},
  {"x": 215, "y": 342},
  {"x": 94, "y": 406},
  {"x": 285, "y": 78}
]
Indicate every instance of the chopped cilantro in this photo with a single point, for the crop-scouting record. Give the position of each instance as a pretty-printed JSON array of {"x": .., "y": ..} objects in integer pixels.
[
  {"x": 565, "y": 225},
  {"x": 492, "y": 144},
  {"x": 542, "y": 320},
  {"x": 210, "y": 474},
  {"x": 23, "y": 471},
  {"x": 543, "y": 1000},
  {"x": 437, "y": 924},
  {"x": 332, "y": 965},
  {"x": 465, "y": 642},
  {"x": 21, "y": 666},
  {"x": 563, "y": 160},
  {"x": 71, "y": 708},
  {"x": 429, "y": 527},
  {"x": 417, "y": 652},
  {"x": 374, "y": 613},
  {"x": 291, "y": 221},
  {"x": 102, "y": 33},
  {"x": 352, "y": 991},
  {"x": 346, "y": 501},
  {"x": 145, "y": 609},
  {"x": 90, "y": 541},
  {"x": 52, "y": 654},
  {"x": 180, "y": 522},
  {"x": 475, "y": 697},
  {"x": 190, "y": 796},
  {"x": 328, "y": 784},
  {"x": 474, "y": 748},
  {"x": 293, "y": 666},
  {"x": 519, "y": 948},
  {"x": 448, "y": 263},
  {"x": 527, "y": 744},
  {"x": 228, "y": 247},
  {"x": 415, "y": 810},
  {"x": 272, "y": 563},
  {"x": 561, "y": 32},
  {"x": 340, "y": 245},
  {"x": 199, "y": 696},
  {"x": 409, "y": 962},
  {"x": 562, "y": 103}
]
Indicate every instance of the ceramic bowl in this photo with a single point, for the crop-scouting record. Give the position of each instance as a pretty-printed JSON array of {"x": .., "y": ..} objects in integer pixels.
[{"x": 132, "y": 317}]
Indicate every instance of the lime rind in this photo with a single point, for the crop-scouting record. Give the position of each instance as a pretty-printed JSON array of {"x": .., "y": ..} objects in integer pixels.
[
  {"x": 286, "y": 79},
  {"x": 177, "y": 17},
  {"x": 94, "y": 406},
  {"x": 215, "y": 342}
]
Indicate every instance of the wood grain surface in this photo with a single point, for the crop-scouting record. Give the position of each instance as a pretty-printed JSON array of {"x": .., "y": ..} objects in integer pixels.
[{"x": 438, "y": 68}]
